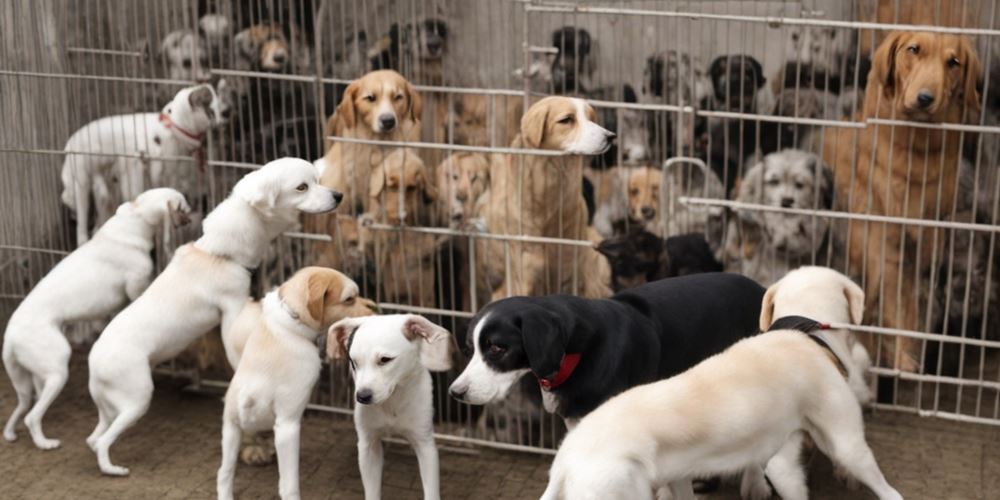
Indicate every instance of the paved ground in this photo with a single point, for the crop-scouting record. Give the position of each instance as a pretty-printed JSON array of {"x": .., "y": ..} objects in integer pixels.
[{"x": 174, "y": 453}]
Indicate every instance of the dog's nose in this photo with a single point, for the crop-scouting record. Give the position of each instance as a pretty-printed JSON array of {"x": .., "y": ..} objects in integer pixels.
[
  {"x": 648, "y": 212},
  {"x": 925, "y": 98},
  {"x": 278, "y": 57},
  {"x": 364, "y": 396},
  {"x": 458, "y": 392},
  {"x": 611, "y": 135},
  {"x": 433, "y": 45},
  {"x": 387, "y": 122},
  {"x": 461, "y": 197},
  {"x": 787, "y": 202},
  {"x": 337, "y": 196},
  {"x": 226, "y": 113}
]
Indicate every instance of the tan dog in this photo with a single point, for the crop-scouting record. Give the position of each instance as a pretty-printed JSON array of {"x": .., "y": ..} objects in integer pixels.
[
  {"x": 644, "y": 198},
  {"x": 904, "y": 172},
  {"x": 543, "y": 196},
  {"x": 462, "y": 179}
]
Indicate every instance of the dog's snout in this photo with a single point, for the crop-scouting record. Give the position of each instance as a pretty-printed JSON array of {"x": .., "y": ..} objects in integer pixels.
[
  {"x": 226, "y": 113},
  {"x": 364, "y": 396},
  {"x": 278, "y": 57},
  {"x": 337, "y": 196},
  {"x": 461, "y": 197},
  {"x": 787, "y": 202},
  {"x": 458, "y": 392},
  {"x": 387, "y": 121},
  {"x": 610, "y": 135},
  {"x": 648, "y": 212},
  {"x": 925, "y": 98},
  {"x": 434, "y": 45}
]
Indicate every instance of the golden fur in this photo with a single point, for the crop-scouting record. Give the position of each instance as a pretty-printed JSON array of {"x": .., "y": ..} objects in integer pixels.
[{"x": 644, "y": 197}]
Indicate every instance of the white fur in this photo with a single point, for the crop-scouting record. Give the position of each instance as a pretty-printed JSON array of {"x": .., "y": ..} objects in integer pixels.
[
  {"x": 206, "y": 283},
  {"x": 821, "y": 47},
  {"x": 186, "y": 55},
  {"x": 401, "y": 393},
  {"x": 100, "y": 141},
  {"x": 590, "y": 138},
  {"x": 480, "y": 383},
  {"x": 90, "y": 284}
]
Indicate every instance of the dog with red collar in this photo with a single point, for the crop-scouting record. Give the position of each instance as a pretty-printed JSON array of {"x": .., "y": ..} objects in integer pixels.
[{"x": 130, "y": 147}]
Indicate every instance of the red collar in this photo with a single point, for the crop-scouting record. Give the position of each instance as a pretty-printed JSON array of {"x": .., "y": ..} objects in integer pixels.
[
  {"x": 566, "y": 367},
  {"x": 187, "y": 134}
]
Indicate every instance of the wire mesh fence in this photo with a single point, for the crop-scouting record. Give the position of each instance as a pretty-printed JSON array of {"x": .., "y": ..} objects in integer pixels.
[{"x": 763, "y": 128}]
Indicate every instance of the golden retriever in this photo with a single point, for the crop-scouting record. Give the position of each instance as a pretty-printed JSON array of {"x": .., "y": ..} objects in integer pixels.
[
  {"x": 644, "y": 198},
  {"x": 904, "y": 171}
]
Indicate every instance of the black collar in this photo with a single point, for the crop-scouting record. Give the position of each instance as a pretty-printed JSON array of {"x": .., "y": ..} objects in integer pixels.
[{"x": 808, "y": 327}]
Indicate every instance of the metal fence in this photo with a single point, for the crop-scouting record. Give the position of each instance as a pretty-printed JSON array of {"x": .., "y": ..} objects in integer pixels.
[{"x": 65, "y": 63}]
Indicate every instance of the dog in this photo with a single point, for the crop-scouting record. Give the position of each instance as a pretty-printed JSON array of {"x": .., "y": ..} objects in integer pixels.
[
  {"x": 278, "y": 367},
  {"x": 480, "y": 120},
  {"x": 462, "y": 180},
  {"x": 186, "y": 56},
  {"x": 416, "y": 48},
  {"x": 92, "y": 151},
  {"x": 676, "y": 78},
  {"x": 634, "y": 141},
  {"x": 767, "y": 245},
  {"x": 820, "y": 50},
  {"x": 89, "y": 284},
  {"x": 922, "y": 77},
  {"x": 206, "y": 283},
  {"x": 390, "y": 357},
  {"x": 273, "y": 48},
  {"x": 646, "y": 208},
  {"x": 574, "y": 66},
  {"x": 734, "y": 410},
  {"x": 736, "y": 81},
  {"x": 525, "y": 191},
  {"x": 640, "y": 257}
]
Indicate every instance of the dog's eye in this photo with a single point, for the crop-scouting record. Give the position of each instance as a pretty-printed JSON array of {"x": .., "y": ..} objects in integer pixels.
[
  {"x": 384, "y": 360},
  {"x": 914, "y": 49},
  {"x": 954, "y": 62},
  {"x": 397, "y": 97},
  {"x": 186, "y": 63},
  {"x": 772, "y": 182},
  {"x": 351, "y": 300},
  {"x": 566, "y": 119},
  {"x": 370, "y": 98},
  {"x": 410, "y": 189},
  {"x": 799, "y": 185},
  {"x": 633, "y": 192},
  {"x": 302, "y": 187},
  {"x": 497, "y": 350},
  {"x": 454, "y": 177}
]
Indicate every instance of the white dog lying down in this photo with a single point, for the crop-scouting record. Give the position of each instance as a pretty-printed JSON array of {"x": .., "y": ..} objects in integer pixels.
[
  {"x": 174, "y": 132},
  {"x": 826, "y": 296},
  {"x": 279, "y": 367},
  {"x": 732, "y": 411},
  {"x": 91, "y": 283},
  {"x": 206, "y": 282},
  {"x": 389, "y": 357}
]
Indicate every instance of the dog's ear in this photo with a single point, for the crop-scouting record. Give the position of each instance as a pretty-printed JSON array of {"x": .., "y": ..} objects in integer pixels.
[
  {"x": 201, "y": 97},
  {"x": 428, "y": 188},
  {"x": 317, "y": 295},
  {"x": 884, "y": 62},
  {"x": 246, "y": 46},
  {"x": 544, "y": 341},
  {"x": 257, "y": 189},
  {"x": 855, "y": 300},
  {"x": 751, "y": 188},
  {"x": 827, "y": 184},
  {"x": 376, "y": 181},
  {"x": 758, "y": 72},
  {"x": 533, "y": 126},
  {"x": 416, "y": 103},
  {"x": 612, "y": 248},
  {"x": 767, "y": 307},
  {"x": 971, "y": 73},
  {"x": 338, "y": 337},
  {"x": 178, "y": 210},
  {"x": 435, "y": 354},
  {"x": 345, "y": 110}
]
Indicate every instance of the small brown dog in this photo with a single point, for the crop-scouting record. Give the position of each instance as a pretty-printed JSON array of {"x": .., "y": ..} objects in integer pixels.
[{"x": 462, "y": 179}]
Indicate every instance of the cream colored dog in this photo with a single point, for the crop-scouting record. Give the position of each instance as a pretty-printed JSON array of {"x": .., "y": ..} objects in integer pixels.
[
  {"x": 279, "y": 367},
  {"x": 205, "y": 284}
]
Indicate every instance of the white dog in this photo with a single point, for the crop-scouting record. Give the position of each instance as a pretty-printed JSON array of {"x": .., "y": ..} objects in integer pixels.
[
  {"x": 279, "y": 368},
  {"x": 206, "y": 283},
  {"x": 389, "y": 357},
  {"x": 735, "y": 410},
  {"x": 92, "y": 152},
  {"x": 91, "y": 283}
]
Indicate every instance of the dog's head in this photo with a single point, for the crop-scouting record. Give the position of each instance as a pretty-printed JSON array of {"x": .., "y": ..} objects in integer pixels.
[
  {"x": 160, "y": 204},
  {"x": 819, "y": 293},
  {"x": 644, "y": 194},
  {"x": 285, "y": 186},
  {"x": 924, "y": 77},
  {"x": 676, "y": 78},
  {"x": 401, "y": 186},
  {"x": 198, "y": 109},
  {"x": 461, "y": 179},
  {"x": 635, "y": 258},
  {"x": 735, "y": 81},
  {"x": 431, "y": 36},
  {"x": 379, "y": 103},
  {"x": 634, "y": 137},
  {"x": 269, "y": 47},
  {"x": 574, "y": 64},
  {"x": 817, "y": 47},
  {"x": 426, "y": 39},
  {"x": 564, "y": 124},
  {"x": 320, "y": 297},
  {"x": 385, "y": 351},
  {"x": 185, "y": 55}
]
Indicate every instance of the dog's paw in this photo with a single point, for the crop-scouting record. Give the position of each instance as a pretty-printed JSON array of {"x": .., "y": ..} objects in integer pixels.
[
  {"x": 256, "y": 455},
  {"x": 92, "y": 444},
  {"x": 114, "y": 470},
  {"x": 10, "y": 435},
  {"x": 47, "y": 444}
]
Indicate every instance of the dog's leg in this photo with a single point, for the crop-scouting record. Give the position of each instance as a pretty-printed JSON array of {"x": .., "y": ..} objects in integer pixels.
[
  {"x": 81, "y": 193},
  {"x": 230, "y": 449},
  {"x": 370, "y": 460},
  {"x": 21, "y": 379},
  {"x": 681, "y": 489},
  {"x": 53, "y": 385},
  {"x": 103, "y": 421},
  {"x": 753, "y": 484},
  {"x": 785, "y": 470},
  {"x": 286, "y": 442},
  {"x": 427, "y": 459},
  {"x": 133, "y": 397}
]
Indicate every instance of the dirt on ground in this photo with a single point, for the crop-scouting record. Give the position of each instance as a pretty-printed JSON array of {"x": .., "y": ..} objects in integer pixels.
[{"x": 174, "y": 453}]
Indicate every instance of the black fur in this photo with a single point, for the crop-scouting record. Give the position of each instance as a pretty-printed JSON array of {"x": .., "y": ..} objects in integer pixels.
[
  {"x": 574, "y": 46},
  {"x": 641, "y": 257}
]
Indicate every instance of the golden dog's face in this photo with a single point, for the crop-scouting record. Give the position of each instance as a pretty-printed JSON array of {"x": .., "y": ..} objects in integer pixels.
[
  {"x": 379, "y": 102},
  {"x": 643, "y": 193},
  {"x": 401, "y": 179},
  {"x": 321, "y": 296},
  {"x": 927, "y": 76},
  {"x": 266, "y": 46},
  {"x": 564, "y": 124},
  {"x": 462, "y": 178}
]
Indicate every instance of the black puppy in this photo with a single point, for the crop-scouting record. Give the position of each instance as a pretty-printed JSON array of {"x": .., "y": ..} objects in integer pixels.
[
  {"x": 573, "y": 65},
  {"x": 640, "y": 257},
  {"x": 585, "y": 351},
  {"x": 735, "y": 82}
]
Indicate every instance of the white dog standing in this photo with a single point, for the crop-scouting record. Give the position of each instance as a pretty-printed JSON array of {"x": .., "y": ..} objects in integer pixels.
[
  {"x": 91, "y": 283},
  {"x": 205, "y": 284},
  {"x": 177, "y": 131},
  {"x": 390, "y": 357}
]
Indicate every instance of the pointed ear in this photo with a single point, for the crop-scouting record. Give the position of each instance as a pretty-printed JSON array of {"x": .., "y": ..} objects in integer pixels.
[
  {"x": 971, "y": 74},
  {"x": 345, "y": 110},
  {"x": 855, "y": 300},
  {"x": 884, "y": 62},
  {"x": 435, "y": 353},
  {"x": 544, "y": 342},
  {"x": 376, "y": 183},
  {"x": 338, "y": 336},
  {"x": 317, "y": 295},
  {"x": 767, "y": 307},
  {"x": 533, "y": 125},
  {"x": 416, "y": 103}
]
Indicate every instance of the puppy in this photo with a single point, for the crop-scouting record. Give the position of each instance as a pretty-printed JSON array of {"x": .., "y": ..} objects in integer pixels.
[
  {"x": 479, "y": 120},
  {"x": 91, "y": 151},
  {"x": 924, "y": 77},
  {"x": 89, "y": 284},
  {"x": 644, "y": 198},
  {"x": 271, "y": 48},
  {"x": 735, "y": 410},
  {"x": 186, "y": 55},
  {"x": 674, "y": 77},
  {"x": 390, "y": 357},
  {"x": 736, "y": 80},
  {"x": 574, "y": 66},
  {"x": 526, "y": 191},
  {"x": 462, "y": 179},
  {"x": 766, "y": 245},
  {"x": 640, "y": 257},
  {"x": 205, "y": 284},
  {"x": 278, "y": 367},
  {"x": 822, "y": 50},
  {"x": 417, "y": 48},
  {"x": 647, "y": 203}
]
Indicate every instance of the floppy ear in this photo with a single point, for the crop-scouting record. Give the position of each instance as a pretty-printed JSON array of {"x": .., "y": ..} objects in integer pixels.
[
  {"x": 178, "y": 211},
  {"x": 317, "y": 293},
  {"x": 416, "y": 103},
  {"x": 201, "y": 98},
  {"x": 884, "y": 62},
  {"x": 428, "y": 188},
  {"x": 750, "y": 185},
  {"x": 767, "y": 307},
  {"x": 246, "y": 45},
  {"x": 611, "y": 248},
  {"x": 435, "y": 355},
  {"x": 376, "y": 183},
  {"x": 533, "y": 125},
  {"x": 827, "y": 185},
  {"x": 971, "y": 74},
  {"x": 258, "y": 190},
  {"x": 338, "y": 336},
  {"x": 345, "y": 110},
  {"x": 855, "y": 300},
  {"x": 544, "y": 342},
  {"x": 758, "y": 72}
]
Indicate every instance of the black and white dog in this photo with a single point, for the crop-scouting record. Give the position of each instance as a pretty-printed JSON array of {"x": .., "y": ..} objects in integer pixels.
[{"x": 584, "y": 351}]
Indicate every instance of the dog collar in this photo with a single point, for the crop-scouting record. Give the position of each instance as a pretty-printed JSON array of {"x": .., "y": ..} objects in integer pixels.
[
  {"x": 187, "y": 136},
  {"x": 808, "y": 327},
  {"x": 566, "y": 367}
]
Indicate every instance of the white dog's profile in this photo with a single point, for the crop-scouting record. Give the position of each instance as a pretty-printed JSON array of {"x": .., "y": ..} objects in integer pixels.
[
  {"x": 206, "y": 283},
  {"x": 117, "y": 143},
  {"x": 91, "y": 283},
  {"x": 735, "y": 410},
  {"x": 279, "y": 366},
  {"x": 390, "y": 357}
]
